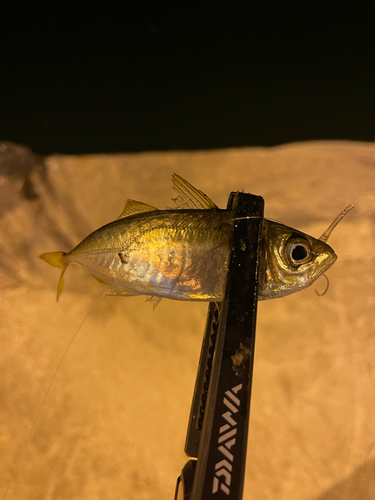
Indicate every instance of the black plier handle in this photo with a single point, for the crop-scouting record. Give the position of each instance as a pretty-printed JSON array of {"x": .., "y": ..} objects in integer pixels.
[{"x": 219, "y": 418}]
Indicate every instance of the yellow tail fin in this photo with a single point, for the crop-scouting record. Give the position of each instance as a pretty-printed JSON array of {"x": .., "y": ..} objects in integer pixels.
[{"x": 55, "y": 259}]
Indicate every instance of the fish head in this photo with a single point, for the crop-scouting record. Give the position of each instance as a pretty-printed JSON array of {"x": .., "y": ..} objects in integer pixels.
[{"x": 290, "y": 260}]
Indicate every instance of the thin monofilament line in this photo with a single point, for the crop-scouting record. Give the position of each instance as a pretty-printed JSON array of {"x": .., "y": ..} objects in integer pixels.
[
  {"x": 248, "y": 217},
  {"x": 326, "y": 290},
  {"x": 20, "y": 455},
  {"x": 327, "y": 232}
]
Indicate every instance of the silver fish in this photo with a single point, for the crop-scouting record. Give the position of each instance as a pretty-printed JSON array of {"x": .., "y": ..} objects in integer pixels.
[{"x": 183, "y": 253}]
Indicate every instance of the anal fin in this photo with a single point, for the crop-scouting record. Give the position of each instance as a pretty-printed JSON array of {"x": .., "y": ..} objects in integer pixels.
[
  {"x": 119, "y": 292},
  {"x": 154, "y": 300}
]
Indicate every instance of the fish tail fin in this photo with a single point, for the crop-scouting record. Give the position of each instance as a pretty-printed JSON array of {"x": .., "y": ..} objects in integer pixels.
[
  {"x": 56, "y": 259},
  {"x": 53, "y": 258},
  {"x": 60, "y": 286}
]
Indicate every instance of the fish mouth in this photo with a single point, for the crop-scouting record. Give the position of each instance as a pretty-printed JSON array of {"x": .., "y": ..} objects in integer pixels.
[{"x": 324, "y": 261}]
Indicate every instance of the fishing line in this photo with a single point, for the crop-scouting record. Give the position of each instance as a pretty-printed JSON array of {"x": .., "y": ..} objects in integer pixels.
[
  {"x": 247, "y": 217},
  {"x": 327, "y": 232},
  {"x": 7, "y": 278},
  {"x": 20, "y": 455},
  {"x": 325, "y": 291}
]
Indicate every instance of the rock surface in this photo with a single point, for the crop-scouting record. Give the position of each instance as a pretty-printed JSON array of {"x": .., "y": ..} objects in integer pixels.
[{"x": 114, "y": 421}]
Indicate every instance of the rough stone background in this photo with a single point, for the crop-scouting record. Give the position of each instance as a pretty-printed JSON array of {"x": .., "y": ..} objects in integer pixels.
[{"x": 114, "y": 421}]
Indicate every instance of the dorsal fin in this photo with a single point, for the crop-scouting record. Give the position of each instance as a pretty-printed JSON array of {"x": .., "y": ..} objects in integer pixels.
[
  {"x": 133, "y": 207},
  {"x": 189, "y": 196}
]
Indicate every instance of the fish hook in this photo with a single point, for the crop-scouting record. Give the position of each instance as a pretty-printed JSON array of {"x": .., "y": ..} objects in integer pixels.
[{"x": 325, "y": 291}]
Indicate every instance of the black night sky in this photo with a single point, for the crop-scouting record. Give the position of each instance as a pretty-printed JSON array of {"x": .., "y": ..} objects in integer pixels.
[{"x": 161, "y": 77}]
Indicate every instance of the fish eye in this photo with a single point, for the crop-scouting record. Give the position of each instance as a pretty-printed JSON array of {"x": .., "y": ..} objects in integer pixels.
[{"x": 298, "y": 251}]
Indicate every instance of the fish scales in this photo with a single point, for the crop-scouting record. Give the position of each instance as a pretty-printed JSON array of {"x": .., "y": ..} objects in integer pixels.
[{"x": 169, "y": 253}]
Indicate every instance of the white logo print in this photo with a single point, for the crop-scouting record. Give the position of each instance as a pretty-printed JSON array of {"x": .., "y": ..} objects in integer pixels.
[{"x": 226, "y": 440}]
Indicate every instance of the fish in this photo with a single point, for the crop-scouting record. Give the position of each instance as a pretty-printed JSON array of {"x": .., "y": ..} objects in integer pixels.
[{"x": 183, "y": 253}]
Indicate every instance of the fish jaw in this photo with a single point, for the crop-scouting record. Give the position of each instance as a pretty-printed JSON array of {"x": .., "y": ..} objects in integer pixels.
[
  {"x": 325, "y": 257},
  {"x": 278, "y": 276}
]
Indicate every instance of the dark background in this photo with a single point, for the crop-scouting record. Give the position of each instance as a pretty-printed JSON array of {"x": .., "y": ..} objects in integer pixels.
[{"x": 164, "y": 76}]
